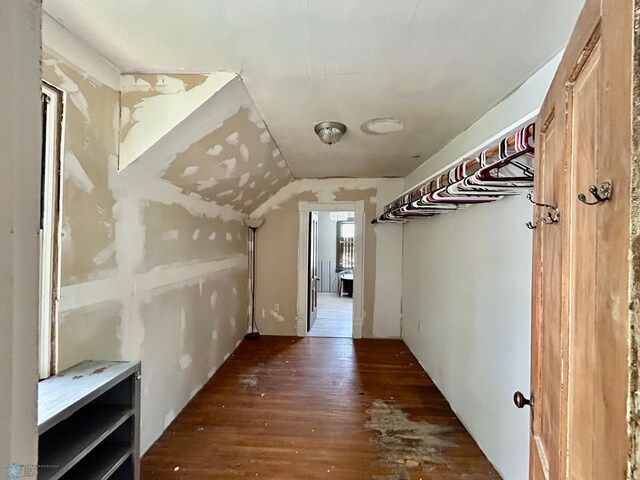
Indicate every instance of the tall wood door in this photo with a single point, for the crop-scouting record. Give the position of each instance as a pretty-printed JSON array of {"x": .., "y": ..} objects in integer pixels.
[
  {"x": 313, "y": 270},
  {"x": 580, "y": 280}
]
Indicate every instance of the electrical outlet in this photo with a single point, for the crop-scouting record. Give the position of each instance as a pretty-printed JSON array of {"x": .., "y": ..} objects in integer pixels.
[{"x": 276, "y": 307}]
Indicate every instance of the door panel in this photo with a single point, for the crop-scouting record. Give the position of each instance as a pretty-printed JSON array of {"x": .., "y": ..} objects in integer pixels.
[
  {"x": 547, "y": 393},
  {"x": 313, "y": 270},
  {"x": 580, "y": 317},
  {"x": 583, "y": 106}
]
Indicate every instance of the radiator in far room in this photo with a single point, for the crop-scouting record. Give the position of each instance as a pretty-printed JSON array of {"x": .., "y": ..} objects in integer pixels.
[{"x": 328, "y": 277}]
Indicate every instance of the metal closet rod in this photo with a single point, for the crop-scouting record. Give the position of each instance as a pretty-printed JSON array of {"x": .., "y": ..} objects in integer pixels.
[{"x": 443, "y": 180}]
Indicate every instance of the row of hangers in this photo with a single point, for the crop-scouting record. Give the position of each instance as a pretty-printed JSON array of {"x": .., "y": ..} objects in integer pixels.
[{"x": 504, "y": 170}]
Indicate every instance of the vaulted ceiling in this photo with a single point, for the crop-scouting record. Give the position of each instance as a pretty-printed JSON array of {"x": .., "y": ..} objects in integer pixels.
[{"x": 434, "y": 65}]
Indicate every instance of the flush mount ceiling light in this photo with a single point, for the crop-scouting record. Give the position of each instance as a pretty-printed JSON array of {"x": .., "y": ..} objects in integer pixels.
[
  {"x": 330, "y": 132},
  {"x": 382, "y": 126}
]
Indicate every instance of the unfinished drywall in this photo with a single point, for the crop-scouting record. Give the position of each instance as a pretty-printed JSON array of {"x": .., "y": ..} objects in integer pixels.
[
  {"x": 149, "y": 272},
  {"x": 221, "y": 152},
  {"x": 467, "y": 294},
  {"x": 19, "y": 246},
  {"x": 277, "y": 251},
  {"x": 153, "y": 104}
]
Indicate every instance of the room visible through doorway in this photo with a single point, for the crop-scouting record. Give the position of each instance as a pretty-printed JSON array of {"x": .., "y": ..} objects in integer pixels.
[{"x": 331, "y": 264}]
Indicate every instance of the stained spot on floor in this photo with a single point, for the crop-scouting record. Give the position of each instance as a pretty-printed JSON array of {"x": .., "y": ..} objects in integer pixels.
[
  {"x": 403, "y": 444},
  {"x": 250, "y": 381}
]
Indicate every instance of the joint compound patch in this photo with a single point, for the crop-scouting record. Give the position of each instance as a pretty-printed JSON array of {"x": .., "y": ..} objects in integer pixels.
[
  {"x": 215, "y": 150},
  {"x": 170, "y": 235},
  {"x": 185, "y": 361},
  {"x": 277, "y": 316},
  {"x": 244, "y": 152},
  {"x": 244, "y": 178},
  {"x": 232, "y": 139},
  {"x": 213, "y": 300},
  {"x": 404, "y": 444},
  {"x": 192, "y": 170}
]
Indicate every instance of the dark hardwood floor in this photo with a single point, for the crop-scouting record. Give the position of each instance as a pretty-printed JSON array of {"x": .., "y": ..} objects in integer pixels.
[{"x": 290, "y": 408}]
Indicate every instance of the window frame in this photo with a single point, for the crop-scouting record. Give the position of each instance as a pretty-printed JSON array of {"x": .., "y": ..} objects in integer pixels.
[
  {"x": 339, "y": 224},
  {"x": 49, "y": 232}
]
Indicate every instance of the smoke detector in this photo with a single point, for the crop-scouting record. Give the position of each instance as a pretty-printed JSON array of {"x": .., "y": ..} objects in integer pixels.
[
  {"x": 330, "y": 132},
  {"x": 382, "y": 126}
]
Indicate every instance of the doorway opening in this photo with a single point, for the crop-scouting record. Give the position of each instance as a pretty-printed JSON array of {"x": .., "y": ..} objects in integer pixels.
[
  {"x": 330, "y": 269},
  {"x": 331, "y": 265}
]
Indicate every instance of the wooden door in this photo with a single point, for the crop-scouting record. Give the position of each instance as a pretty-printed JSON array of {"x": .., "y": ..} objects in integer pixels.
[
  {"x": 580, "y": 318},
  {"x": 313, "y": 270}
]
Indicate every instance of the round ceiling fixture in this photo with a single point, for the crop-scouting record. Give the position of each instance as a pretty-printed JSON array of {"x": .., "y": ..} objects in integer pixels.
[
  {"x": 382, "y": 126},
  {"x": 330, "y": 132}
]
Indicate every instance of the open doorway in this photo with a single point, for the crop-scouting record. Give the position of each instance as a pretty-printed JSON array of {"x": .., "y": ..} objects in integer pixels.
[{"x": 331, "y": 265}]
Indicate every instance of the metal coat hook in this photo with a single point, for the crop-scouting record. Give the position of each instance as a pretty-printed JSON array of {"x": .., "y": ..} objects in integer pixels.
[
  {"x": 601, "y": 195},
  {"x": 549, "y": 218}
]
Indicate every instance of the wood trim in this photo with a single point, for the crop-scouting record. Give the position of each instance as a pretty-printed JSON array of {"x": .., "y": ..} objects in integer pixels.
[{"x": 633, "y": 413}]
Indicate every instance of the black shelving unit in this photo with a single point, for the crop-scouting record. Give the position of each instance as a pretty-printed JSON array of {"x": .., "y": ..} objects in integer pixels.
[{"x": 89, "y": 422}]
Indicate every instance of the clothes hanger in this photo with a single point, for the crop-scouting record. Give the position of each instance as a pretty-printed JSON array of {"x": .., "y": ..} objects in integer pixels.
[{"x": 485, "y": 175}]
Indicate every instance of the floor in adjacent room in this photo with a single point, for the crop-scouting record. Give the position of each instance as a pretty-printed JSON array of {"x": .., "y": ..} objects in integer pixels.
[
  {"x": 335, "y": 316},
  {"x": 291, "y": 408}
]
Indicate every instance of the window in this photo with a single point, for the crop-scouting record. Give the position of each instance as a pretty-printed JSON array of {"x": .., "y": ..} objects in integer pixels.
[
  {"x": 51, "y": 103},
  {"x": 345, "y": 244}
]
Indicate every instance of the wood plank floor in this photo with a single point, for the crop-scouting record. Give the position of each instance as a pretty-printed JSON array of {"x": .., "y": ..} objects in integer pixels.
[
  {"x": 290, "y": 408},
  {"x": 335, "y": 317}
]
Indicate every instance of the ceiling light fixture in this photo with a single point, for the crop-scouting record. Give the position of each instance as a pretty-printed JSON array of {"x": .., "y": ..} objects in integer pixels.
[{"x": 330, "y": 132}]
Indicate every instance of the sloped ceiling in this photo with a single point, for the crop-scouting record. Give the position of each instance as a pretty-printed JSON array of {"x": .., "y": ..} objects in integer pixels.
[
  {"x": 221, "y": 151},
  {"x": 435, "y": 65}
]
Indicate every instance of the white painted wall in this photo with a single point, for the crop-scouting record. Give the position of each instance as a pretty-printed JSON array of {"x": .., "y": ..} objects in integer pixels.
[
  {"x": 20, "y": 199},
  {"x": 467, "y": 294},
  {"x": 467, "y": 290},
  {"x": 387, "y": 304},
  {"x": 523, "y": 103}
]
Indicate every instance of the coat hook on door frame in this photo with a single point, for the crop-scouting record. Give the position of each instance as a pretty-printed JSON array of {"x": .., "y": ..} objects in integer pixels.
[
  {"x": 601, "y": 195},
  {"x": 549, "y": 218}
]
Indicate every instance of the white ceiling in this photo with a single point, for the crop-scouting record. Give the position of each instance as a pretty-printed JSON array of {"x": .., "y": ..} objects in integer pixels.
[{"x": 436, "y": 65}]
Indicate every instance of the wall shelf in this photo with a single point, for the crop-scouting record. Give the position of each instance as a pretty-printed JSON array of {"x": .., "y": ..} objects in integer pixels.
[{"x": 89, "y": 422}]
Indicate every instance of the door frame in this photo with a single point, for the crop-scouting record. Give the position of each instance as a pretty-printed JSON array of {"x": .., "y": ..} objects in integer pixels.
[{"x": 304, "y": 208}]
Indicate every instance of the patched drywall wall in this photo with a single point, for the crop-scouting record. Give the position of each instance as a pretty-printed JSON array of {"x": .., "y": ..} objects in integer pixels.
[
  {"x": 277, "y": 251},
  {"x": 153, "y": 104},
  {"x": 90, "y": 332},
  {"x": 148, "y": 271},
  {"x": 88, "y": 249},
  {"x": 221, "y": 152},
  {"x": 19, "y": 244}
]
